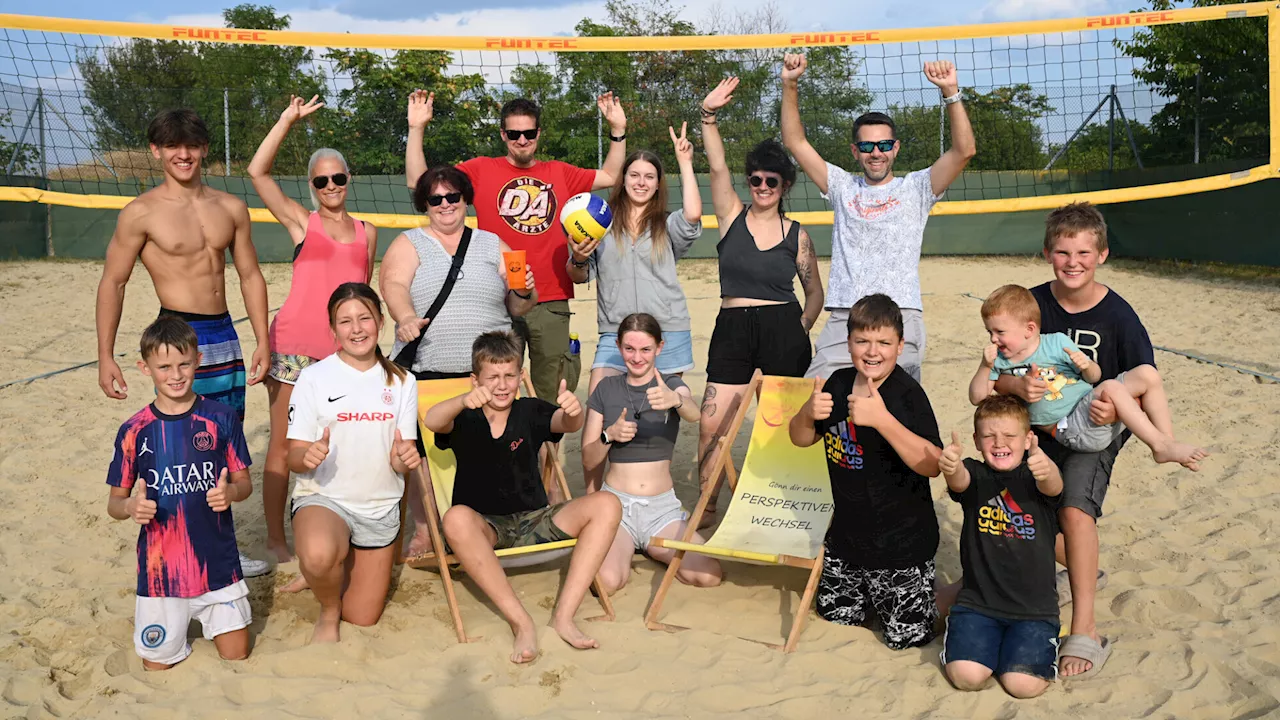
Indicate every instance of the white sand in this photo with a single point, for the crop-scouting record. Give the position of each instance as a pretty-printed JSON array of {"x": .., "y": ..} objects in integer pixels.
[{"x": 1193, "y": 604}]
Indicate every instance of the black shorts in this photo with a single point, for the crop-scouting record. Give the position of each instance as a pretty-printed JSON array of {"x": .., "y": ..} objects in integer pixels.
[
  {"x": 432, "y": 375},
  {"x": 767, "y": 337},
  {"x": 1085, "y": 476}
]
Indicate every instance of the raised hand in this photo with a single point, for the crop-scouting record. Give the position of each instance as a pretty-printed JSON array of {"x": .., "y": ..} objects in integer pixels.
[
  {"x": 820, "y": 403},
  {"x": 1080, "y": 360},
  {"x": 660, "y": 396},
  {"x": 868, "y": 411},
  {"x": 411, "y": 326},
  {"x": 622, "y": 430},
  {"x": 139, "y": 507},
  {"x": 793, "y": 65},
  {"x": 722, "y": 95},
  {"x": 421, "y": 108},
  {"x": 318, "y": 451},
  {"x": 1040, "y": 465},
  {"x": 952, "y": 455},
  {"x": 1033, "y": 386},
  {"x": 298, "y": 108},
  {"x": 567, "y": 401},
  {"x": 989, "y": 355},
  {"x": 943, "y": 74},
  {"x": 684, "y": 148},
  {"x": 218, "y": 497},
  {"x": 612, "y": 112},
  {"x": 110, "y": 378},
  {"x": 404, "y": 451},
  {"x": 477, "y": 398}
]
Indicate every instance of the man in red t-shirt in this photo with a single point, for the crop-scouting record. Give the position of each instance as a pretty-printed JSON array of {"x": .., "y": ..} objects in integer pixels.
[{"x": 519, "y": 198}]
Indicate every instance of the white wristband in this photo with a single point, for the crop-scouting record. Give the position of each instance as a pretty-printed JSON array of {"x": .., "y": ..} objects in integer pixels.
[{"x": 953, "y": 99}]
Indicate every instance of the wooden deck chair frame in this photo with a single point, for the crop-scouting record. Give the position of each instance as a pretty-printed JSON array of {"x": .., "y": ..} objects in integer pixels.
[
  {"x": 552, "y": 472},
  {"x": 723, "y": 461}
]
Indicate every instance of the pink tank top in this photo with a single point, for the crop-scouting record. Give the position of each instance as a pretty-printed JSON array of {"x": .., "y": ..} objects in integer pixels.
[{"x": 320, "y": 266}]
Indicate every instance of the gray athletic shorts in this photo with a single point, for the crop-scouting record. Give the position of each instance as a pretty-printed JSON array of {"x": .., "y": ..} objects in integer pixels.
[
  {"x": 643, "y": 516},
  {"x": 367, "y": 533},
  {"x": 1077, "y": 432},
  {"x": 831, "y": 352}
]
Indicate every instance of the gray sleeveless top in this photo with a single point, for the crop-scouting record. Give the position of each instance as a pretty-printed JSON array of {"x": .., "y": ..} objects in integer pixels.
[{"x": 476, "y": 305}]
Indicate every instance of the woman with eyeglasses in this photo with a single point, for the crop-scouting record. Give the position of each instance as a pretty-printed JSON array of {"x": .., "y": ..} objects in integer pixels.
[
  {"x": 329, "y": 248},
  {"x": 760, "y": 325},
  {"x": 412, "y": 275}
]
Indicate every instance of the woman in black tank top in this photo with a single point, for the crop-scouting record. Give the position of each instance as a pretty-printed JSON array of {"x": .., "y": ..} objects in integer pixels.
[{"x": 760, "y": 325}]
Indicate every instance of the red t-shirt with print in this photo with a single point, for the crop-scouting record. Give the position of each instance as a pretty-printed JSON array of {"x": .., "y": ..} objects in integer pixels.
[{"x": 522, "y": 205}]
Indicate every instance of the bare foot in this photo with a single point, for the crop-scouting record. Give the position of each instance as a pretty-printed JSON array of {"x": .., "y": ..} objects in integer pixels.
[
  {"x": 327, "y": 628},
  {"x": 525, "y": 649},
  {"x": 298, "y": 584},
  {"x": 420, "y": 543},
  {"x": 572, "y": 635},
  {"x": 280, "y": 550},
  {"x": 1186, "y": 455}
]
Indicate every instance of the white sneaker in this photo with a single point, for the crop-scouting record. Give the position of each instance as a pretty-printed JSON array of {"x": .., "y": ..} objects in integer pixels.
[{"x": 253, "y": 568}]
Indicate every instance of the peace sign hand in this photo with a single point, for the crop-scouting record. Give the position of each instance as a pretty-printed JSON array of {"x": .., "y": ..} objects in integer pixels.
[
  {"x": 684, "y": 148},
  {"x": 298, "y": 109}
]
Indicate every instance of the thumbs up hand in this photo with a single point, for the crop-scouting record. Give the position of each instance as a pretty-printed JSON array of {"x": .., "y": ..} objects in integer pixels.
[
  {"x": 404, "y": 454},
  {"x": 952, "y": 455},
  {"x": 869, "y": 410},
  {"x": 410, "y": 327},
  {"x": 1040, "y": 465},
  {"x": 661, "y": 397},
  {"x": 477, "y": 398},
  {"x": 1033, "y": 386},
  {"x": 820, "y": 402},
  {"x": 622, "y": 430},
  {"x": 567, "y": 401},
  {"x": 219, "y": 496},
  {"x": 139, "y": 507},
  {"x": 318, "y": 451}
]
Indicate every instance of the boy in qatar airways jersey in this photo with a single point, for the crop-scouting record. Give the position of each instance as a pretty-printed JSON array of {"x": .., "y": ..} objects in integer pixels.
[
  {"x": 187, "y": 457},
  {"x": 352, "y": 423}
]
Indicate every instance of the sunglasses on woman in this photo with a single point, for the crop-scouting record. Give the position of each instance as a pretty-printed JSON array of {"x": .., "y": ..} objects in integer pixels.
[
  {"x": 756, "y": 181},
  {"x": 451, "y": 198},
  {"x": 867, "y": 146},
  {"x": 320, "y": 182},
  {"x": 514, "y": 135}
]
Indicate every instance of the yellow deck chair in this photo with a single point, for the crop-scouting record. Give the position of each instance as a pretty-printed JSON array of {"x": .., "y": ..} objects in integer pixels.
[
  {"x": 781, "y": 503},
  {"x": 437, "y": 494}
]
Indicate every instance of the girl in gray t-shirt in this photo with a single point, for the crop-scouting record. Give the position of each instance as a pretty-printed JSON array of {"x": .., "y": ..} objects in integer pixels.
[{"x": 633, "y": 420}]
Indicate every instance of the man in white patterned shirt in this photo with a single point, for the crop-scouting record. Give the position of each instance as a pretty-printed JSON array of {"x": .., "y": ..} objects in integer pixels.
[{"x": 879, "y": 218}]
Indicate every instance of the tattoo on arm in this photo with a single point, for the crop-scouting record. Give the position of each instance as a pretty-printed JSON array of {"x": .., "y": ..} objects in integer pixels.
[{"x": 805, "y": 259}]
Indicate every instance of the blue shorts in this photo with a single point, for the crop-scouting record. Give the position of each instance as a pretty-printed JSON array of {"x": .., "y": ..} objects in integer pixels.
[
  {"x": 1022, "y": 646},
  {"x": 676, "y": 355}
]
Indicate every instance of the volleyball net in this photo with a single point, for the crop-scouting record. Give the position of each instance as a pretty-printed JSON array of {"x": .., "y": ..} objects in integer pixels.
[{"x": 1107, "y": 108}]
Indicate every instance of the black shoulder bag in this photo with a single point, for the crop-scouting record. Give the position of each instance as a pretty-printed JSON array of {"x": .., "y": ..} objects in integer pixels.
[{"x": 409, "y": 352}]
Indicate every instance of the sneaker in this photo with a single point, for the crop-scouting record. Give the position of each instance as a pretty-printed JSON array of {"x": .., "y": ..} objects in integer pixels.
[{"x": 253, "y": 568}]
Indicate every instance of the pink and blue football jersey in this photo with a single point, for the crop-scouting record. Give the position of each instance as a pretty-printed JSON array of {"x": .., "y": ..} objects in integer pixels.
[{"x": 188, "y": 549}]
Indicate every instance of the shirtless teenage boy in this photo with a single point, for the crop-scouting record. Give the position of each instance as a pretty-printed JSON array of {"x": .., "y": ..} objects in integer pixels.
[{"x": 182, "y": 231}]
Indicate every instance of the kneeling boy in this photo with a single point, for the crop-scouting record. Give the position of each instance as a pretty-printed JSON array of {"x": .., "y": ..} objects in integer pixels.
[
  {"x": 882, "y": 447},
  {"x": 183, "y": 448},
  {"x": 1005, "y": 621},
  {"x": 498, "y": 497}
]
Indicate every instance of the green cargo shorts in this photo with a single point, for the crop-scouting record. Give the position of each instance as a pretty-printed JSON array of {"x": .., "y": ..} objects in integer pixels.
[
  {"x": 545, "y": 331},
  {"x": 534, "y": 527}
]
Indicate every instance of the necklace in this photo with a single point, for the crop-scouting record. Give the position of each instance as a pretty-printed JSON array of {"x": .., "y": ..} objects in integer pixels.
[{"x": 635, "y": 413}]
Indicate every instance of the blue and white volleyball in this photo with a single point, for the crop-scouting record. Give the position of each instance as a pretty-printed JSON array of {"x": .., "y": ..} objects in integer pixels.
[{"x": 585, "y": 217}]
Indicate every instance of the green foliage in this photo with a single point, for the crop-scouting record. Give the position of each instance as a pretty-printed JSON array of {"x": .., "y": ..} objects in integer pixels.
[
  {"x": 1089, "y": 151},
  {"x": 1004, "y": 124},
  {"x": 28, "y": 156},
  {"x": 1230, "y": 56}
]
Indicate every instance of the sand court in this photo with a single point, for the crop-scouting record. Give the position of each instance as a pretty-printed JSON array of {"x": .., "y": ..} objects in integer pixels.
[{"x": 1194, "y": 559}]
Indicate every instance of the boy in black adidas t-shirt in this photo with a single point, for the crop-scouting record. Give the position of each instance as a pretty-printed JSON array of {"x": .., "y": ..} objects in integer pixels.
[
  {"x": 882, "y": 447},
  {"x": 498, "y": 497},
  {"x": 1005, "y": 621}
]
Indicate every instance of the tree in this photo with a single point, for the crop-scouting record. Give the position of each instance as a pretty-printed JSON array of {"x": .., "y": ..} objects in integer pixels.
[
  {"x": 1089, "y": 151},
  {"x": 25, "y": 158},
  {"x": 1230, "y": 58},
  {"x": 1005, "y": 123}
]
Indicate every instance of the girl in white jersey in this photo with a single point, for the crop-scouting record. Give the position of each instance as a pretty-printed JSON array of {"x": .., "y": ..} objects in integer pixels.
[{"x": 352, "y": 423}]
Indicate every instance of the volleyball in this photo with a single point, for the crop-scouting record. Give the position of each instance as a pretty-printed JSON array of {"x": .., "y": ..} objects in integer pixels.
[{"x": 586, "y": 217}]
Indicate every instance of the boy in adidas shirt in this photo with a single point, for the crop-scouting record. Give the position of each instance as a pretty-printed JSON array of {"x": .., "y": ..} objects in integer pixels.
[
  {"x": 179, "y": 464},
  {"x": 882, "y": 447},
  {"x": 353, "y": 418},
  {"x": 1005, "y": 621}
]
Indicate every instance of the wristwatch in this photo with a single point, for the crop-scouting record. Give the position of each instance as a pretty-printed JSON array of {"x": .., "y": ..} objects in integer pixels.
[
  {"x": 617, "y": 138},
  {"x": 604, "y": 437},
  {"x": 953, "y": 99}
]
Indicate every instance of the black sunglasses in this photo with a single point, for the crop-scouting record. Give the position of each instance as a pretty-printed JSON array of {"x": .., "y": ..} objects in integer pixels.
[
  {"x": 756, "y": 181},
  {"x": 320, "y": 182},
  {"x": 435, "y": 200},
  {"x": 514, "y": 135},
  {"x": 866, "y": 146}
]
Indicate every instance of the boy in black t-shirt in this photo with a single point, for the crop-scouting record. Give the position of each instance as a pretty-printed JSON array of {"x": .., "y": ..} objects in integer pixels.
[
  {"x": 1005, "y": 621},
  {"x": 498, "y": 497},
  {"x": 882, "y": 447}
]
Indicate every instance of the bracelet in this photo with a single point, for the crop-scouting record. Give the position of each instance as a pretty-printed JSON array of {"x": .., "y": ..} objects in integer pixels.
[
  {"x": 706, "y": 112},
  {"x": 573, "y": 261},
  {"x": 522, "y": 297},
  {"x": 681, "y": 402},
  {"x": 953, "y": 99},
  {"x": 617, "y": 138},
  {"x": 709, "y": 121}
]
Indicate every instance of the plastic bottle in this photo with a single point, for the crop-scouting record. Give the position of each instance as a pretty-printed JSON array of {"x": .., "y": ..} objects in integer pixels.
[{"x": 575, "y": 346}]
